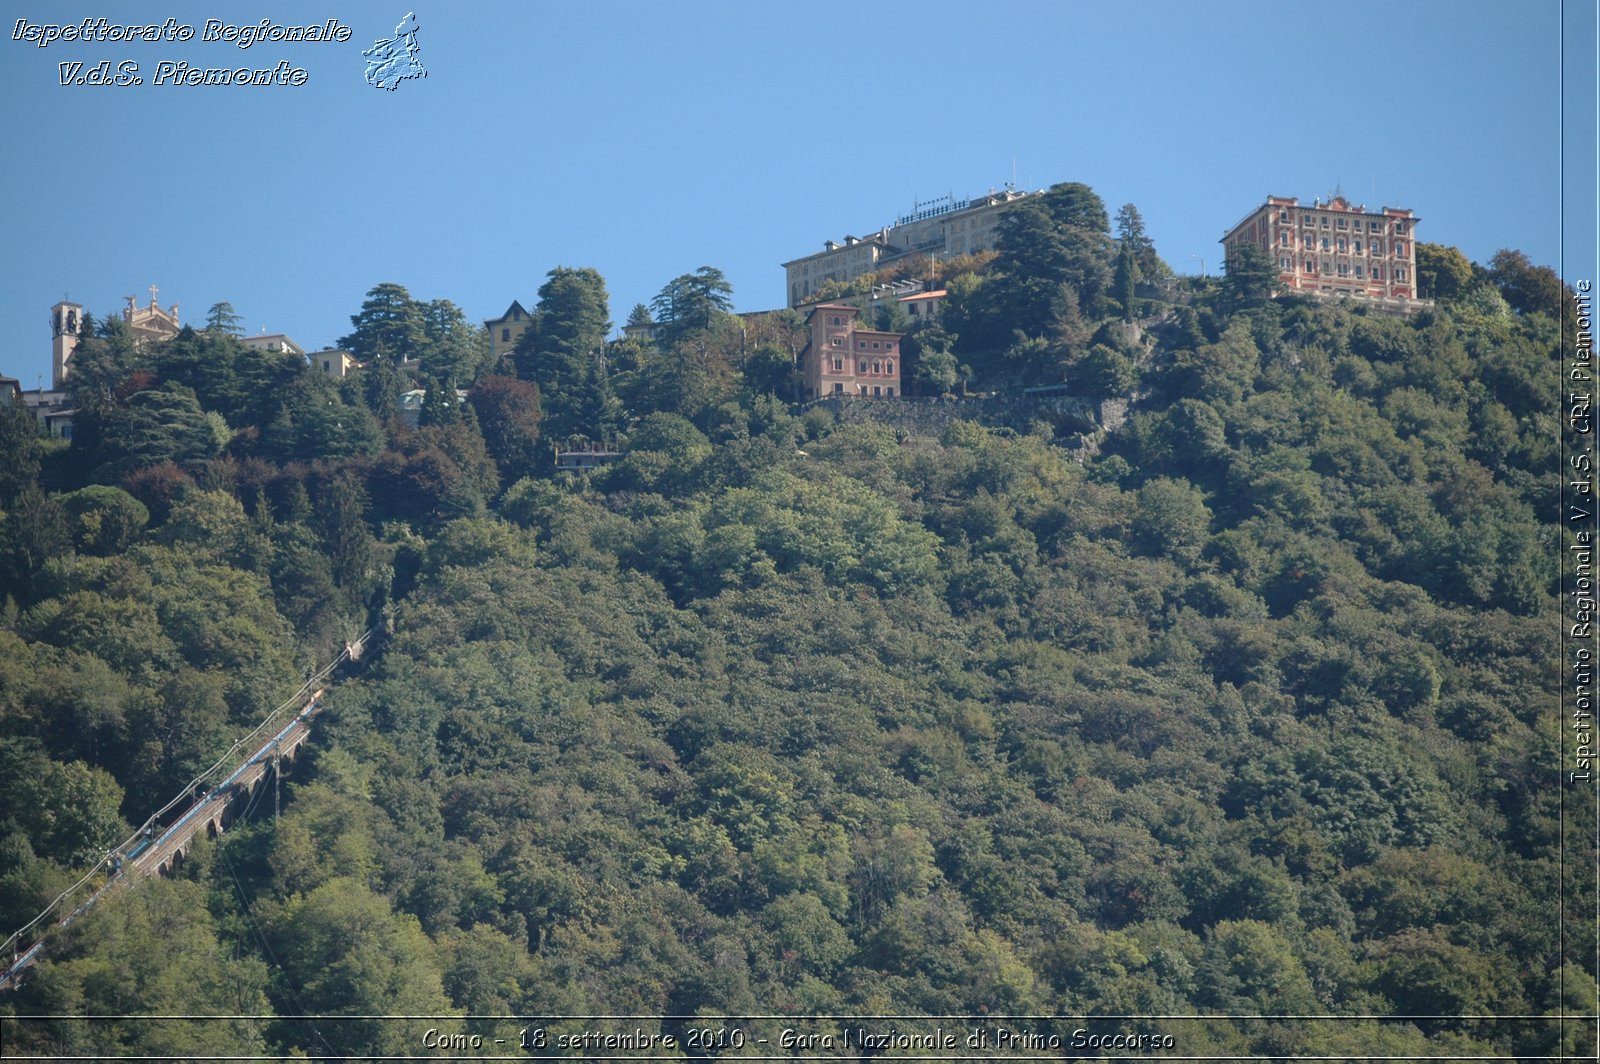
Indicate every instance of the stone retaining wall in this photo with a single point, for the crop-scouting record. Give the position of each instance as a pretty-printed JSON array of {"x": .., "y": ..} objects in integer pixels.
[{"x": 915, "y": 416}]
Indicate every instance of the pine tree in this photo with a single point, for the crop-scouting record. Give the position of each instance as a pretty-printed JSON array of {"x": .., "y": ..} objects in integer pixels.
[
  {"x": 598, "y": 413},
  {"x": 1125, "y": 280},
  {"x": 1252, "y": 276},
  {"x": 389, "y": 323},
  {"x": 19, "y": 442},
  {"x": 568, "y": 330},
  {"x": 439, "y": 405},
  {"x": 1131, "y": 232},
  {"x": 691, "y": 301},
  {"x": 222, "y": 318}
]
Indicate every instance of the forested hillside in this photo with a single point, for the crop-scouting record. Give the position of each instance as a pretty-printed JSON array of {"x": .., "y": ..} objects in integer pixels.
[{"x": 1244, "y": 708}]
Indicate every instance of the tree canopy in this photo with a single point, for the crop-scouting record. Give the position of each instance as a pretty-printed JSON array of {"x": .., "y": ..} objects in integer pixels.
[{"x": 1234, "y": 707}]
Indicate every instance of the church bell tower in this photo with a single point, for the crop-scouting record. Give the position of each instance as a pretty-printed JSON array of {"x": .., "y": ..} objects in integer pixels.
[{"x": 66, "y": 319}]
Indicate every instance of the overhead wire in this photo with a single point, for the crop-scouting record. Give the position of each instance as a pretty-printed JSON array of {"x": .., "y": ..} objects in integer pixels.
[{"x": 188, "y": 793}]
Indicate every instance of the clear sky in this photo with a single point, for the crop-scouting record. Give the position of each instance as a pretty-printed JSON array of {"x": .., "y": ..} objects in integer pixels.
[{"x": 648, "y": 138}]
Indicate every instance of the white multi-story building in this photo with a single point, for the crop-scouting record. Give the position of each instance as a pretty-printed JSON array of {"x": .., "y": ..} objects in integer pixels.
[
  {"x": 273, "y": 343},
  {"x": 944, "y": 227}
]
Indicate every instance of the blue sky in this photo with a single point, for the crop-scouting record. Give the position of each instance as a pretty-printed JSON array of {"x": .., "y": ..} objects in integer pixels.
[{"x": 647, "y": 139}]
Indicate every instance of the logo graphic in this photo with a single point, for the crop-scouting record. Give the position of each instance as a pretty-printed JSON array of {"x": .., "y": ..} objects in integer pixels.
[{"x": 393, "y": 61}]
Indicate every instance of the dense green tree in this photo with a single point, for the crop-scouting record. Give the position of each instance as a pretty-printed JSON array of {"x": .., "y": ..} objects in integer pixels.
[
  {"x": 1041, "y": 252},
  {"x": 105, "y": 520},
  {"x": 1102, "y": 370},
  {"x": 1442, "y": 272},
  {"x": 1250, "y": 967},
  {"x": 567, "y": 333},
  {"x": 35, "y": 530},
  {"x": 246, "y": 387},
  {"x": 452, "y": 347},
  {"x": 1049, "y": 244},
  {"x": 19, "y": 440},
  {"x": 1124, "y": 280},
  {"x": 1074, "y": 205},
  {"x": 102, "y": 361},
  {"x": 597, "y": 414},
  {"x": 68, "y": 812},
  {"x": 1528, "y": 288},
  {"x": 348, "y": 544},
  {"x": 1252, "y": 277},
  {"x": 222, "y": 318},
  {"x": 695, "y": 376},
  {"x": 344, "y": 947},
  {"x": 509, "y": 413},
  {"x": 690, "y": 301},
  {"x": 975, "y": 321},
  {"x": 440, "y": 404},
  {"x": 165, "y": 424},
  {"x": 153, "y": 967},
  {"x": 381, "y": 384},
  {"x": 929, "y": 355},
  {"x": 390, "y": 324},
  {"x": 772, "y": 371},
  {"x": 314, "y": 419},
  {"x": 1171, "y": 518},
  {"x": 1131, "y": 233}
]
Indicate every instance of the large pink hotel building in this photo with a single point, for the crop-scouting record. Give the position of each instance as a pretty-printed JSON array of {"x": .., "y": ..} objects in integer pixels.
[{"x": 1335, "y": 248}]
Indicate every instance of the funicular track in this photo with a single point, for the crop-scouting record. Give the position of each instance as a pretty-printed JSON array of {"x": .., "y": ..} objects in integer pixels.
[{"x": 213, "y": 797}]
